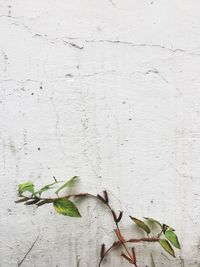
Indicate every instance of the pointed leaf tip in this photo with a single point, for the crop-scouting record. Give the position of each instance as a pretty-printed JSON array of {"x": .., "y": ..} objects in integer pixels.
[{"x": 166, "y": 245}]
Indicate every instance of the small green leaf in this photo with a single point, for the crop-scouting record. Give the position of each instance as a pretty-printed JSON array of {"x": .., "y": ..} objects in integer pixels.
[
  {"x": 166, "y": 245},
  {"x": 28, "y": 186},
  {"x": 141, "y": 225},
  {"x": 151, "y": 220},
  {"x": 171, "y": 236},
  {"x": 45, "y": 188},
  {"x": 66, "y": 207},
  {"x": 69, "y": 183}
]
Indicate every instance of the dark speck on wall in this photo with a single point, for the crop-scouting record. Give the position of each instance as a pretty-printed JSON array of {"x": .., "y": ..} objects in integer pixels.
[
  {"x": 38, "y": 148},
  {"x": 69, "y": 75},
  {"x": 9, "y": 211}
]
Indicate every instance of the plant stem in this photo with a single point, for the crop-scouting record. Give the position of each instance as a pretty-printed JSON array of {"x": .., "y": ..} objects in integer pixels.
[
  {"x": 121, "y": 241},
  {"x": 145, "y": 239},
  {"x": 118, "y": 232},
  {"x": 115, "y": 244}
]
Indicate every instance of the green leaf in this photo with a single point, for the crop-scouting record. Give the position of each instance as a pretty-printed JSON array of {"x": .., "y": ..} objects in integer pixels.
[
  {"x": 151, "y": 220},
  {"x": 69, "y": 183},
  {"x": 65, "y": 207},
  {"x": 45, "y": 188},
  {"x": 166, "y": 245},
  {"x": 171, "y": 236},
  {"x": 141, "y": 225},
  {"x": 28, "y": 186}
]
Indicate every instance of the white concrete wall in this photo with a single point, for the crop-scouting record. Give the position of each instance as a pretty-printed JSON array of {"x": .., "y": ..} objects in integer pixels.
[{"x": 108, "y": 90}]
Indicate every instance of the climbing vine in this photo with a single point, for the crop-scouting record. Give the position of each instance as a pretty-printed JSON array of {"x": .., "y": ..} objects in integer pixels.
[{"x": 64, "y": 205}]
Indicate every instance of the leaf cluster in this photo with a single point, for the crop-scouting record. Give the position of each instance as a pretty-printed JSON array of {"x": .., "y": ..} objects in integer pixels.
[
  {"x": 166, "y": 237},
  {"x": 62, "y": 205}
]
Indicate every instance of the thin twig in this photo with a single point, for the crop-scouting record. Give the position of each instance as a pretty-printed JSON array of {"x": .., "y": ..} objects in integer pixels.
[
  {"x": 25, "y": 256},
  {"x": 119, "y": 235},
  {"x": 152, "y": 261},
  {"x": 115, "y": 244},
  {"x": 144, "y": 239}
]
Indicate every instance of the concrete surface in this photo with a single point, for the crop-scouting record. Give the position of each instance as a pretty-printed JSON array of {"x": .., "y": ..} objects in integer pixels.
[{"x": 108, "y": 90}]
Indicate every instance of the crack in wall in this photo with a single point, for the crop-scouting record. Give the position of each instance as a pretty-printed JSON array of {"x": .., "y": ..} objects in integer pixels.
[
  {"x": 81, "y": 47},
  {"x": 57, "y": 123},
  {"x": 112, "y": 3}
]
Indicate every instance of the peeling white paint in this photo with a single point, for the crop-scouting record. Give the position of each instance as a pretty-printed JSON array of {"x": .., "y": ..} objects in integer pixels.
[{"x": 107, "y": 90}]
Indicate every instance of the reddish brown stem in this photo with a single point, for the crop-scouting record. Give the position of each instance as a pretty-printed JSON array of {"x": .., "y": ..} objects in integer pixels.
[
  {"x": 145, "y": 239},
  {"x": 115, "y": 244},
  {"x": 122, "y": 242}
]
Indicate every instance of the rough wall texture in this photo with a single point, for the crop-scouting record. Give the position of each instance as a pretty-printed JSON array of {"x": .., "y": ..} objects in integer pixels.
[{"x": 108, "y": 90}]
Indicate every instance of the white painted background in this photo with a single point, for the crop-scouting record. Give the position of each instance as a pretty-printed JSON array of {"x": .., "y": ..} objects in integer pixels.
[{"x": 110, "y": 91}]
